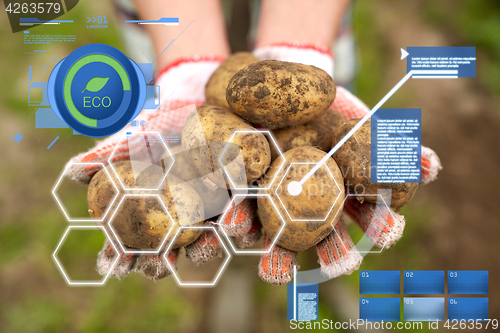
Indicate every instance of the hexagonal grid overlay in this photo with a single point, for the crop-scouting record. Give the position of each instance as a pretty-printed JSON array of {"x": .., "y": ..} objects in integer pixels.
[
  {"x": 315, "y": 275},
  {"x": 144, "y": 148},
  {"x": 314, "y": 220},
  {"x": 197, "y": 284},
  {"x": 59, "y": 202},
  {"x": 249, "y": 251},
  {"x": 63, "y": 271},
  {"x": 273, "y": 141},
  {"x": 111, "y": 219},
  {"x": 364, "y": 239}
]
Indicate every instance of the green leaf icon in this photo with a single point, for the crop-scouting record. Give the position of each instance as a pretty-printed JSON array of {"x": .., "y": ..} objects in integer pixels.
[{"x": 96, "y": 83}]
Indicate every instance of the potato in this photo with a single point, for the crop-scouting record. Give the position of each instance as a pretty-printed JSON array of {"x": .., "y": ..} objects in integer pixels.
[
  {"x": 354, "y": 159},
  {"x": 313, "y": 203},
  {"x": 183, "y": 167},
  {"x": 215, "y": 90},
  {"x": 317, "y": 133},
  {"x": 279, "y": 94},
  {"x": 206, "y": 135},
  {"x": 141, "y": 222}
]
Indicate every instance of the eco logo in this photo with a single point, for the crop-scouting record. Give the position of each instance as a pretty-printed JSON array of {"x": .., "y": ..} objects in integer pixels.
[
  {"x": 96, "y": 84},
  {"x": 96, "y": 90}
]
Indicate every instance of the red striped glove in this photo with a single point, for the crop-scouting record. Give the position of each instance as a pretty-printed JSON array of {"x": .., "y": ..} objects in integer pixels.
[
  {"x": 182, "y": 88},
  {"x": 153, "y": 266},
  {"x": 337, "y": 253},
  {"x": 183, "y": 84}
]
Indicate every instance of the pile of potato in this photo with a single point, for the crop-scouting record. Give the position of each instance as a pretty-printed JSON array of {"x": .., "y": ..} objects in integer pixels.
[
  {"x": 141, "y": 221},
  {"x": 244, "y": 94}
]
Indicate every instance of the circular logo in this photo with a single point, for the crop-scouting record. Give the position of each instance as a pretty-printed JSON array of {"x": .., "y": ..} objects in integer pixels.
[{"x": 96, "y": 90}]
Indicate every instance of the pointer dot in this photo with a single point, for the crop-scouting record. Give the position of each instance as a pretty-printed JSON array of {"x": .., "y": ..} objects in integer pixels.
[{"x": 294, "y": 188}]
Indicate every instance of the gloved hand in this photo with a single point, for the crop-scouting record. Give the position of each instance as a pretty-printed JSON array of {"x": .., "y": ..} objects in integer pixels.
[
  {"x": 153, "y": 266},
  {"x": 183, "y": 82},
  {"x": 182, "y": 87},
  {"x": 337, "y": 253},
  {"x": 241, "y": 223}
]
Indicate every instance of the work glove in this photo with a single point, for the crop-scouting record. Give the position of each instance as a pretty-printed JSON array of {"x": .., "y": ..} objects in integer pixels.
[
  {"x": 337, "y": 253},
  {"x": 182, "y": 87}
]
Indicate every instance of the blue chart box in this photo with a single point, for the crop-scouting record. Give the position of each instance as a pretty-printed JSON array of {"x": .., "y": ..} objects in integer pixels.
[
  {"x": 39, "y": 90},
  {"x": 379, "y": 282},
  {"x": 396, "y": 146},
  {"x": 378, "y": 309},
  {"x": 423, "y": 309},
  {"x": 152, "y": 101},
  {"x": 461, "y": 59},
  {"x": 423, "y": 282},
  {"x": 468, "y": 282},
  {"x": 46, "y": 118},
  {"x": 467, "y": 308},
  {"x": 305, "y": 302},
  {"x": 147, "y": 70}
]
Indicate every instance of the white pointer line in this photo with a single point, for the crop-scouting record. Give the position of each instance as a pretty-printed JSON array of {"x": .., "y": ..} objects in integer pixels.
[
  {"x": 295, "y": 292},
  {"x": 159, "y": 23},
  {"x": 33, "y": 23},
  {"x": 434, "y": 77},
  {"x": 365, "y": 118}
]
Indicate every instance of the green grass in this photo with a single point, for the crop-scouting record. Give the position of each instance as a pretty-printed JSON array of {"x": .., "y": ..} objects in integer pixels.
[
  {"x": 37, "y": 314},
  {"x": 474, "y": 23}
]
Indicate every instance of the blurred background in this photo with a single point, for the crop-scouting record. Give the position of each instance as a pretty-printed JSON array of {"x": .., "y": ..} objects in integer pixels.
[{"x": 453, "y": 223}]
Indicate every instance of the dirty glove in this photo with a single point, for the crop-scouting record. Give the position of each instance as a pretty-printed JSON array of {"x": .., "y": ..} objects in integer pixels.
[
  {"x": 337, "y": 254},
  {"x": 182, "y": 89},
  {"x": 182, "y": 85}
]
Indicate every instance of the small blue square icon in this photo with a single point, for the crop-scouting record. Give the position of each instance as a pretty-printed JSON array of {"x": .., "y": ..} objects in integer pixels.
[{"x": 18, "y": 137}]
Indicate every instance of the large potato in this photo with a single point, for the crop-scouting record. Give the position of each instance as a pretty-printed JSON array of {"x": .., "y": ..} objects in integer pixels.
[
  {"x": 278, "y": 94},
  {"x": 206, "y": 135},
  {"x": 316, "y": 133},
  {"x": 183, "y": 167},
  {"x": 215, "y": 90},
  {"x": 141, "y": 222},
  {"x": 354, "y": 159},
  {"x": 318, "y": 195}
]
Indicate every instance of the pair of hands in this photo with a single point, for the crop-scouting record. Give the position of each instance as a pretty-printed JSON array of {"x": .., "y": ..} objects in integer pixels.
[{"x": 337, "y": 254}]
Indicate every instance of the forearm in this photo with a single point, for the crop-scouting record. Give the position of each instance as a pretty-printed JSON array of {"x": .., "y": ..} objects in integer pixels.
[
  {"x": 307, "y": 21},
  {"x": 206, "y": 33}
]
